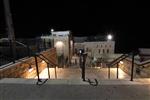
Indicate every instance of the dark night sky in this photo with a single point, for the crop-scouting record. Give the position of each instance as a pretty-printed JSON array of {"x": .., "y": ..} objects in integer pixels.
[{"x": 128, "y": 20}]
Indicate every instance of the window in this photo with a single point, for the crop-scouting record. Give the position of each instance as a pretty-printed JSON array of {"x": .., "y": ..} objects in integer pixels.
[
  {"x": 107, "y": 50},
  {"x": 99, "y": 51},
  {"x": 103, "y": 51},
  {"x": 54, "y": 34},
  {"x": 86, "y": 49}
]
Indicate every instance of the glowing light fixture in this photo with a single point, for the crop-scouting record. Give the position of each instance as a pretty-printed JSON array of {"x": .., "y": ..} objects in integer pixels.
[
  {"x": 43, "y": 61},
  {"x": 80, "y": 51},
  {"x": 109, "y": 37},
  {"x": 52, "y": 30},
  {"x": 30, "y": 69},
  {"x": 121, "y": 62},
  {"x": 59, "y": 44}
]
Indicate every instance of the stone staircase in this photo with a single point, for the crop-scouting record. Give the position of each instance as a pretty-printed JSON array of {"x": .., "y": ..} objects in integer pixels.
[{"x": 63, "y": 89}]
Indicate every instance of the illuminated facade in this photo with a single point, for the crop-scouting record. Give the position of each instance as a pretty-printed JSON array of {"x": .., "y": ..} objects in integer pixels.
[
  {"x": 96, "y": 49},
  {"x": 99, "y": 48},
  {"x": 63, "y": 43}
]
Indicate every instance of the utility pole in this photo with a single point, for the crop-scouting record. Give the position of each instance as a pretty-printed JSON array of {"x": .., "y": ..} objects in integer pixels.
[{"x": 10, "y": 29}]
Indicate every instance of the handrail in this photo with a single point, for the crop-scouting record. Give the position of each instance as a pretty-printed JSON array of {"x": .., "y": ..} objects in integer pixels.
[
  {"x": 144, "y": 63},
  {"x": 44, "y": 59},
  {"x": 50, "y": 62},
  {"x": 48, "y": 59},
  {"x": 123, "y": 57},
  {"x": 41, "y": 56},
  {"x": 27, "y": 47},
  {"x": 117, "y": 59},
  {"x": 21, "y": 43},
  {"x": 13, "y": 60},
  {"x": 5, "y": 60}
]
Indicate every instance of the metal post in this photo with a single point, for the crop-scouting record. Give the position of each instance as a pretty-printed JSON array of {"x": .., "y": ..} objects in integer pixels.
[
  {"x": 108, "y": 71},
  {"x": 28, "y": 50},
  {"x": 44, "y": 44},
  {"x": 117, "y": 70},
  {"x": 48, "y": 70},
  {"x": 55, "y": 73},
  {"x": 52, "y": 41},
  {"x": 83, "y": 67},
  {"x": 69, "y": 49},
  {"x": 37, "y": 69},
  {"x": 80, "y": 61},
  {"x": 83, "y": 72},
  {"x": 38, "y": 45},
  {"x": 132, "y": 69},
  {"x": 49, "y": 43}
]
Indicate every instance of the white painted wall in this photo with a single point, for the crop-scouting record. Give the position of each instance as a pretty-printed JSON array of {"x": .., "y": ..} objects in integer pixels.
[
  {"x": 97, "y": 48},
  {"x": 64, "y": 48},
  {"x": 61, "y": 36}
]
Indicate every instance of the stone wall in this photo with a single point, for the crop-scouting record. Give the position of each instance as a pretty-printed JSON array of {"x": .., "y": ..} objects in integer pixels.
[
  {"x": 126, "y": 67},
  {"x": 22, "y": 68},
  {"x": 144, "y": 71},
  {"x": 139, "y": 71}
]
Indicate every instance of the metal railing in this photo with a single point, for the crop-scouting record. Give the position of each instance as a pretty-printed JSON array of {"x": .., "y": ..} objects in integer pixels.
[
  {"x": 123, "y": 56},
  {"x": 24, "y": 48},
  {"x": 4, "y": 60},
  {"x": 117, "y": 60},
  {"x": 49, "y": 63}
]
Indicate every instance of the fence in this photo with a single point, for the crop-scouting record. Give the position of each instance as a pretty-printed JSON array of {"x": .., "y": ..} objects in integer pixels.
[{"x": 24, "y": 48}]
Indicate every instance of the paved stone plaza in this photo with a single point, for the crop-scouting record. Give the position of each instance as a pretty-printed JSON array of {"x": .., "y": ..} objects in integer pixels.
[
  {"x": 75, "y": 73},
  {"x": 69, "y": 86}
]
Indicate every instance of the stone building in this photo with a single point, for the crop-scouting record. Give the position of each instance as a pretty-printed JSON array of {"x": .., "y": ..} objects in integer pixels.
[
  {"x": 98, "y": 48},
  {"x": 62, "y": 41}
]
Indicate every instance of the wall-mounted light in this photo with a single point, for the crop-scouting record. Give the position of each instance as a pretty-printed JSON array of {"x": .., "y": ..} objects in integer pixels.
[
  {"x": 59, "y": 44},
  {"x": 30, "y": 69},
  {"x": 80, "y": 51},
  {"x": 121, "y": 62},
  {"x": 43, "y": 61}
]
